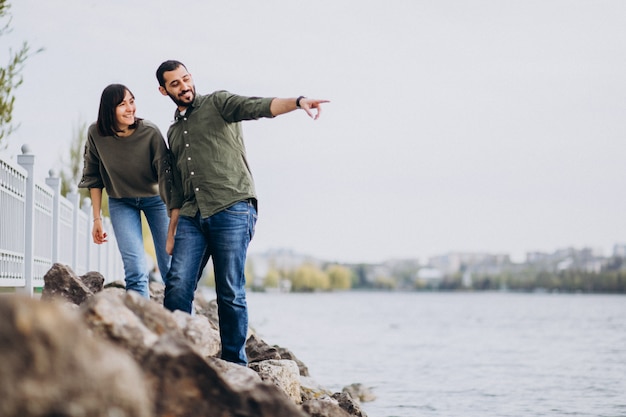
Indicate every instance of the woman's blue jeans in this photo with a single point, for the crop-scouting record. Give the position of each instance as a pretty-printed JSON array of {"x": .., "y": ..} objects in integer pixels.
[
  {"x": 224, "y": 237},
  {"x": 126, "y": 221}
]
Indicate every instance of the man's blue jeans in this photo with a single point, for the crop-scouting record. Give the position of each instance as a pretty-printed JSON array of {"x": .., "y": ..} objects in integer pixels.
[
  {"x": 224, "y": 237},
  {"x": 126, "y": 221}
]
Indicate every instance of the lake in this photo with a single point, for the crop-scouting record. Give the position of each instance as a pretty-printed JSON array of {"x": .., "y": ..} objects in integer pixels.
[{"x": 458, "y": 354}]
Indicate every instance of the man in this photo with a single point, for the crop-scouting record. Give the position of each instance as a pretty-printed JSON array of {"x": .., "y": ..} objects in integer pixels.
[{"x": 213, "y": 202}]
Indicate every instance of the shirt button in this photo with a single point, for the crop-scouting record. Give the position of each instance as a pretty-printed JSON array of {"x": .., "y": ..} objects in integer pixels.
[
  {"x": 185, "y": 132},
  {"x": 186, "y": 145},
  {"x": 192, "y": 173},
  {"x": 189, "y": 158},
  {"x": 197, "y": 189}
]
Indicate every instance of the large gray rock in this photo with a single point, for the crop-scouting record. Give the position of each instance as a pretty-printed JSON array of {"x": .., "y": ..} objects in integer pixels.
[
  {"x": 288, "y": 354},
  {"x": 258, "y": 350},
  {"x": 200, "y": 332},
  {"x": 53, "y": 366},
  {"x": 186, "y": 384},
  {"x": 283, "y": 373},
  {"x": 109, "y": 317},
  {"x": 324, "y": 407},
  {"x": 93, "y": 280},
  {"x": 61, "y": 282},
  {"x": 349, "y": 404},
  {"x": 359, "y": 392}
]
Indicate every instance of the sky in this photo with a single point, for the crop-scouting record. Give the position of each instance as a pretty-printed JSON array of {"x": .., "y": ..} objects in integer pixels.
[{"x": 453, "y": 125}]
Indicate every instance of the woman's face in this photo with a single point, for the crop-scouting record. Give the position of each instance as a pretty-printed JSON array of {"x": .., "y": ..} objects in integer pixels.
[{"x": 125, "y": 111}]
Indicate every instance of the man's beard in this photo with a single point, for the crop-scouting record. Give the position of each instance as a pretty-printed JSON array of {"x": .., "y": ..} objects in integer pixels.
[{"x": 181, "y": 103}]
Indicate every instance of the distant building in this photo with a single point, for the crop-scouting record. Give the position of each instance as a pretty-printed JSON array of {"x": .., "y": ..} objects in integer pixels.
[
  {"x": 619, "y": 250},
  {"x": 455, "y": 262}
]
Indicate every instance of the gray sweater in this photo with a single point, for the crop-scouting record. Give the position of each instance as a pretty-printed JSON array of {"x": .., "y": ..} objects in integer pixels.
[{"x": 134, "y": 166}]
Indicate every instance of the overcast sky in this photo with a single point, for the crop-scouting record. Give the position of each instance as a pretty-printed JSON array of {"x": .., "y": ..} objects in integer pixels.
[{"x": 476, "y": 126}]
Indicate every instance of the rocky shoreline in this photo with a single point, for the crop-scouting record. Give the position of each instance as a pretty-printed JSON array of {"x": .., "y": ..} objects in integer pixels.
[{"x": 84, "y": 350}]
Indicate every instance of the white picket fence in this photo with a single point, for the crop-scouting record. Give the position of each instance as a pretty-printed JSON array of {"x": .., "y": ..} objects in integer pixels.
[{"x": 39, "y": 227}]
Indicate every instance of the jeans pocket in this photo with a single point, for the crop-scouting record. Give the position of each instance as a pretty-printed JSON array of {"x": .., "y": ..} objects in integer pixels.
[{"x": 240, "y": 208}]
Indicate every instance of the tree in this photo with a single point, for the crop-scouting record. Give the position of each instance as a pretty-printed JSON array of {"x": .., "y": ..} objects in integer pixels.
[
  {"x": 340, "y": 277},
  {"x": 10, "y": 76},
  {"x": 309, "y": 277}
]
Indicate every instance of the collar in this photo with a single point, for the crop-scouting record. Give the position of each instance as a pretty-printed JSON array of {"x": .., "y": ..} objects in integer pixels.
[{"x": 193, "y": 105}]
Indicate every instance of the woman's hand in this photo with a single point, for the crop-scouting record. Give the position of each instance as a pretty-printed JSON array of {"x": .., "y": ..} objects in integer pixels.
[{"x": 99, "y": 235}]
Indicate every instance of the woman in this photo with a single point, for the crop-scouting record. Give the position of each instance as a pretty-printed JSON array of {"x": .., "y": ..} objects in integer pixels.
[{"x": 127, "y": 156}]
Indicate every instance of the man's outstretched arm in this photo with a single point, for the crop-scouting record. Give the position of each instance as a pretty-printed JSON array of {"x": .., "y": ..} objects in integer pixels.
[{"x": 285, "y": 105}]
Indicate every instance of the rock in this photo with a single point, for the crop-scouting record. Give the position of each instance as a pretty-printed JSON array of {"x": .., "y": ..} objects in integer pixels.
[
  {"x": 153, "y": 315},
  {"x": 349, "y": 404},
  {"x": 287, "y": 354},
  {"x": 185, "y": 384},
  {"x": 108, "y": 316},
  {"x": 257, "y": 350},
  {"x": 157, "y": 292},
  {"x": 115, "y": 284},
  {"x": 53, "y": 366},
  {"x": 61, "y": 282},
  {"x": 310, "y": 389},
  {"x": 207, "y": 308},
  {"x": 283, "y": 373},
  {"x": 359, "y": 392},
  {"x": 93, "y": 280},
  {"x": 325, "y": 407},
  {"x": 199, "y": 331}
]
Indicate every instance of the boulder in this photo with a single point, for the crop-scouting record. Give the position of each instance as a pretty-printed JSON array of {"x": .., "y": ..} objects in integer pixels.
[
  {"x": 257, "y": 350},
  {"x": 93, "y": 280},
  {"x": 324, "y": 407},
  {"x": 283, "y": 373},
  {"x": 61, "y": 282},
  {"x": 359, "y": 392},
  {"x": 287, "y": 354},
  {"x": 349, "y": 404},
  {"x": 107, "y": 315},
  {"x": 310, "y": 389},
  {"x": 53, "y": 366},
  {"x": 186, "y": 384},
  {"x": 200, "y": 332}
]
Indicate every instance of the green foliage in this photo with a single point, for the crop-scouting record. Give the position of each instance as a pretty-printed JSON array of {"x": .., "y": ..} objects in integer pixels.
[
  {"x": 308, "y": 277},
  {"x": 272, "y": 279},
  {"x": 340, "y": 277},
  {"x": 10, "y": 78}
]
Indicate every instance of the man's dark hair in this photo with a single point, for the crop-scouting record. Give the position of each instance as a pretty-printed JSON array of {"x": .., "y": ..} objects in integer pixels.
[
  {"x": 111, "y": 97},
  {"x": 170, "y": 65}
]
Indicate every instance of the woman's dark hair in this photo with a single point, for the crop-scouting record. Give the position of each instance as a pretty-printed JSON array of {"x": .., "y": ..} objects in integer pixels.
[
  {"x": 166, "y": 66},
  {"x": 111, "y": 97}
]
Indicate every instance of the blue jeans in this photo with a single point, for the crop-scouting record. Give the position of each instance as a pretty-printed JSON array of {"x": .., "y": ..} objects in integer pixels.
[
  {"x": 224, "y": 237},
  {"x": 126, "y": 221}
]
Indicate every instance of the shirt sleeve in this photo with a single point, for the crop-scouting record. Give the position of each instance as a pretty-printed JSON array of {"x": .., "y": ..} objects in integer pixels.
[
  {"x": 91, "y": 170},
  {"x": 235, "y": 108},
  {"x": 174, "y": 198}
]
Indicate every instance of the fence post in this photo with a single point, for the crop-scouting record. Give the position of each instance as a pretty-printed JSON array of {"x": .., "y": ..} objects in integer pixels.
[
  {"x": 87, "y": 209},
  {"x": 27, "y": 161},
  {"x": 54, "y": 182},
  {"x": 73, "y": 198}
]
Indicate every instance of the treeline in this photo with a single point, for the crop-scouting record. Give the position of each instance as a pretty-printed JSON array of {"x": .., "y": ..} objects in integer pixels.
[
  {"x": 310, "y": 277},
  {"x": 570, "y": 281},
  {"x": 304, "y": 278}
]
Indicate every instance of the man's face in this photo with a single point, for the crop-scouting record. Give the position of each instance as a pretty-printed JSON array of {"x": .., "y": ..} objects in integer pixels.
[{"x": 179, "y": 86}]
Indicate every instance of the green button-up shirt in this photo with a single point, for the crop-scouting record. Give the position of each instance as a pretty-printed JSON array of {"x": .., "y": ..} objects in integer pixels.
[{"x": 210, "y": 171}]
